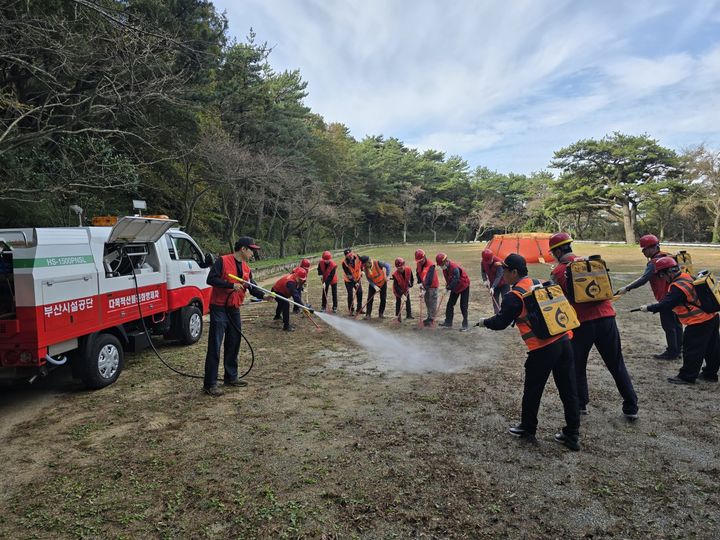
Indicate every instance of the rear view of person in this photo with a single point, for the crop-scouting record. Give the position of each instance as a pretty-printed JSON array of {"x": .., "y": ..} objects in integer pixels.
[
  {"x": 428, "y": 282},
  {"x": 402, "y": 283},
  {"x": 327, "y": 270},
  {"x": 352, "y": 272},
  {"x": 458, "y": 284},
  {"x": 491, "y": 270},
  {"x": 288, "y": 286}
]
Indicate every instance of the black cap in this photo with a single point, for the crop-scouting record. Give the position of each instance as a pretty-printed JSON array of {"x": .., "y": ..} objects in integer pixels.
[
  {"x": 515, "y": 262},
  {"x": 364, "y": 259},
  {"x": 247, "y": 242},
  {"x": 347, "y": 251}
]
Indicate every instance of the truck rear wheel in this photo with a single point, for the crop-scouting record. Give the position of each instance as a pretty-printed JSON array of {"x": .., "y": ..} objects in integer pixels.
[
  {"x": 103, "y": 363},
  {"x": 191, "y": 325}
]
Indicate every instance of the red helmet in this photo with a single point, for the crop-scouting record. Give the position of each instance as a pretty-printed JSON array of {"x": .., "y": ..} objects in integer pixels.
[
  {"x": 559, "y": 239},
  {"x": 664, "y": 263},
  {"x": 649, "y": 240},
  {"x": 300, "y": 272},
  {"x": 487, "y": 255},
  {"x": 440, "y": 258},
  {"x": 326, "y": 256},
  {"x": 305, "y": 263},
  {"x": 399, "y": 262},
  {"x": 419, "y": 255}
]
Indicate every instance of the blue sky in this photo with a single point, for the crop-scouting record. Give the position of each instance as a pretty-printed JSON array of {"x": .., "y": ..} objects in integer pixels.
[{"x": 502, "y": 84}]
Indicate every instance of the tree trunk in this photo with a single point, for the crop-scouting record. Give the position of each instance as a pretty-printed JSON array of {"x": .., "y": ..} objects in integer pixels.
[
  {"x": 627, "y": 222},
  {"x": 258, "y": 220},
  {"x": 477, "y": 235},
  {"x": 405, "y": 232},
  {"x": 434, "y": 235},
  {"x": 716, "y": 228},
  {"x": 369, "y": 233}
]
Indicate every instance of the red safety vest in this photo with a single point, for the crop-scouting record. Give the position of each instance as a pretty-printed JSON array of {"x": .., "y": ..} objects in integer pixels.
[
  {"x": 491, "y": 270},
  {"x": 690, "y": 312},
  {"x": 422, "y": 271},
  {"x": 281, "y": 285},
  {"x": 219, "y": 295},
  {"x": 355, "y": 267},
  {"x": 402, "y": 280},
  {"x": 532, "y": 342},
  {"x": 588, "y": 311},
  {"x": 658, "y": 285},
  {"x": 464, "y": 282},
  {"x": 376, "y": 274},
  {"x": 325, "y": 268}
]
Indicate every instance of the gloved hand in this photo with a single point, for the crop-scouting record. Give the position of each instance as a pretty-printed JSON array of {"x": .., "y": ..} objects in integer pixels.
[
  {"x": 492, "y": 291},
  {"x": 486, "y": 284},
  {"x": 644, "y": 308},
  {"x": 422, "y": 289},
  {"x": 481, "y": 323},
  {"x": 621, "y": 291}
]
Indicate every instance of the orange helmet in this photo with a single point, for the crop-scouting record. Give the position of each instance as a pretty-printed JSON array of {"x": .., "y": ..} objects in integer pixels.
[
  {"x": 559, "y": 239},
  {"x": 305, "y": 263},
  {"x": 665, "y": 263},
  {"x": 649, "y": 240},
  {"x": 419, "y": 255},
  {"x": 326, "y": 256},
  {"x": 399, "y": 262},
  {"x": 487, "y": 255},
  {"x": 440, "y": 258},
  {"x": 301, "y": 273}
]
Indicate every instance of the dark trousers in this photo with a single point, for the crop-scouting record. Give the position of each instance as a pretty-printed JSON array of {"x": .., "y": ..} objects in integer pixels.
[
  {"x": 352, "y": 292},
  {"x": 498, "y": 294},
  {"x": 398, "y": 305},
  {"x": 450, "y": 308},
  {"x": 371, "y": 297},
  {"x": 673, "y": 332},
  {"x": 556, "y": 358},
  {"x": 221, "y": 325},
  {"x": 700, "y": 342},
  {"x": 326, "y": 288},
  {"x": 603, "y": 333},
  {"x": 283, "y": 308}
]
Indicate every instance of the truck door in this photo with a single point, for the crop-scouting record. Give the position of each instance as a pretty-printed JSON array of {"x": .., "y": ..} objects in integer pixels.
[{"x": 187, "y": 272}]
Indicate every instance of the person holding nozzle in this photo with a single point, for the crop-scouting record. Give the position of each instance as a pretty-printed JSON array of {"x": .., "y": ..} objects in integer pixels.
[
  {"x": 352, "y": 272},
  {"x": 327, "y": 270},
  {"x": 226, "y": 297},
  {"x": 491, "y": 270},
  {"x": 428, "y": 282},
  {"x": 305, "y": 263},
  {"x": 402, "y": 283},
  {"x": 288, "y": 286},
  {"x": 376, "y": 273},
  {"x": 545, "y": 356},
  {"x": 458, "y": 284},
  {"x": 650, "y": 246},
  {"x": 700, "y": 339}
]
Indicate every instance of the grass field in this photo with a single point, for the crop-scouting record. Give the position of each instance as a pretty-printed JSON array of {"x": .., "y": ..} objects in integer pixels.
[{"x": 328, "y": 442}]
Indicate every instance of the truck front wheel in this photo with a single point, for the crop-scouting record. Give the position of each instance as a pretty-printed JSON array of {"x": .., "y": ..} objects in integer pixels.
[
  {"x": 191, "y": 325},
  {"x": 103, "y": 364}
]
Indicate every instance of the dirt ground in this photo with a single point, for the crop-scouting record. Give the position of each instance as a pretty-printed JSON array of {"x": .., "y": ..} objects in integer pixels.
[{"x": 330, "y": 442}]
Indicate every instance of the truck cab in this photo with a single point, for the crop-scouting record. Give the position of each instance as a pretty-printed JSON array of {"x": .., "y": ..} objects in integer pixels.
[{"x": 86, "y": 295}]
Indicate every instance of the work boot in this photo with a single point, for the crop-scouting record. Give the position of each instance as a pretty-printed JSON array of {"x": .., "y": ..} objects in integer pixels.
[
  {"x": 213, "y": 391},
  {"x": 707, "y": 377},
  {"x": 666, "y": 356},
  {"x": 679, "y": 380},
  {"x": 410, "y": 317},
  {"x": 631, "y": 416},
  {"x": 334, "y": 310},
  {"x": 289, "y": 328},
  {"x": 584, "y": 409},
  {"x": 521, "y": 433},
  {"x": 366, "y": 317},
  {"x": 296, "y": 309},
  {"x": 236, "y": 382},
  {"x": 464, "y": 328},
  {"x": 569, "y": 441},
  {"x": 352, "y": 312},
  {"x": 381, "y": 316},
  {"x": 445, "y": 324},
  {"x": 277, "y": 318}
]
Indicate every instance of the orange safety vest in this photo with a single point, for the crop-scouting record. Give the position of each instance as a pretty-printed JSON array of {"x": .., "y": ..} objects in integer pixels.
[
  {"x": 690, "y": 312},
  {"x": 532, "y": 342},
  {"x": 376, "y": 275},
  {"x": 219, "y": 295},
  {"x": 355, "y": 268}
]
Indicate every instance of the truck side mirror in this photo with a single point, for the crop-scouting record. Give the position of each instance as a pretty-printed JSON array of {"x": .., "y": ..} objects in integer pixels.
[{"x": 209, "y": 260}]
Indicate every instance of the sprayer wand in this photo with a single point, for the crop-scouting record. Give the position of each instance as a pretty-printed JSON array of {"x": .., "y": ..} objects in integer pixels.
[{"x": 271, "y": 293}]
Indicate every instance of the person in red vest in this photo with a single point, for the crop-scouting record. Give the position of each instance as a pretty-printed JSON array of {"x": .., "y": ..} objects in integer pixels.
[
  {"x": 650, "y": 246},
  {"x": 288, "y": 286},
  {"x": 491, "y": 270},
  {"x": 305, "y": 263},
  {"x": 402, "y": 283},
  {"x": 428, "y": 282},
  {"x": 352, "y": 272},
  {"x": 225, "y": 300},
  {"x": 700, "y": 340},
  {"x": 597, "y": 327},
  {"x": 327, "y": 270},
  {"x": 553, "y": 355},
  {"x": 458, "y": 283},
  {"x": 376, "y": 272}
]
